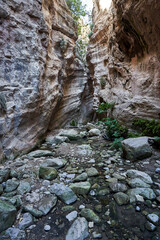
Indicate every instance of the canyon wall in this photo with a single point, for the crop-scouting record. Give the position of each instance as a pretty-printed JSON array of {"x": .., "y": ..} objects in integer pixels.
[
  {"x": 124, "y": 57},
  {"x": 43, "y": 84}
]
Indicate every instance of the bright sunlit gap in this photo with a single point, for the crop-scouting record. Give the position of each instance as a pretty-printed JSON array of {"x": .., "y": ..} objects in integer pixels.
[{"x": 105, "y": 4}]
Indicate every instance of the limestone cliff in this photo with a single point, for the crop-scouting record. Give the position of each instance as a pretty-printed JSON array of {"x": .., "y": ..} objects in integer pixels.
[
  {"x": 124, "y": 57},
  {"x": 42, "y": 83}
]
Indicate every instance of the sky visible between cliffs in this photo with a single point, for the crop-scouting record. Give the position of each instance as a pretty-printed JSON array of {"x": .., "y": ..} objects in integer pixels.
[
  {"x": 105, "y": 4},
  {"x": 89, "y": 4}
]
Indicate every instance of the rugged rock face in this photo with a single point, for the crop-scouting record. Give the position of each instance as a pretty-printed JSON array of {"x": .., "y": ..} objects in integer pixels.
[
  {"x": 39, "y": 72},
  {"x": 124, "y": 57}
]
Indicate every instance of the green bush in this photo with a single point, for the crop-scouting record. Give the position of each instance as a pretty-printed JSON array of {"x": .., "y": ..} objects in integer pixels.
[
  {"x": 73, "y": 123},
  {"x": 77, "y": 8},
  {"x": 147, "y": 127},
  {"x": 114, "y": 130},
  {"x": 104, "y": 107}
]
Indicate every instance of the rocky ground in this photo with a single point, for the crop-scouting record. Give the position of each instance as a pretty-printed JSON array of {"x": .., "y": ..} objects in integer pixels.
[{"x": 74, "y": 187}]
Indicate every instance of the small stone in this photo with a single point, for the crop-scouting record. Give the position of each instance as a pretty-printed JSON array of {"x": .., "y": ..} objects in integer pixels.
[
  {"x": 27, "y": 220},
  {"x": 96, "y": 235},
  {"x": 46, "y": 204},
  {"x": 91, "y": 224},
  {"x": 121, "y": 198},
  {"x": 47, "y": 173},
  {"x": 16, "y": 234},
  {"x": 47, "y": 228},
  {"x": 136, "y": 182},
  {"x": 7, "y": 215},
  {"x": 40, "y": 153},
  {"x": 150, "y": 227},
  {"x": 24, "y": 187},
  {"x": 72, "y": 134},
  {"x": 139, "y": 198},
  {"x": 90, "y": 126},
  {"x": 153, "y": 218},
  {"x": 78, "y": 230},
  {"x": 11, "y": 185},
  {"x": 65, "y": 193},
  {"x": 139, "y": 174},
  {"x": 92, "y": 172},
  {"x": 138, "y": 209},
  {"x": 4, "y": 174},
  {"x": 54, "y": 162},
  {"x": 98, "y": 208},
  {"x": 90, "y": 215},
  {"x": 157, "y": 170},
  {"x": 81, "y": 177},
  {"x": 81, "y": 187},
  {"x": 147, "y": 193},
  {"x": 71, "y": 216},
  {"x": 29, "y": 208},
  {"x": 94, "y": 132},
  {"x": 81, "y": 207},
  {"x": 118, "y": 187}
]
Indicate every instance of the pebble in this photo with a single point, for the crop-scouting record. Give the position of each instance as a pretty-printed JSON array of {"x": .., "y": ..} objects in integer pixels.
[
  {"x": 47, "y": 228},
  {"x": 71, "y": 216},
  {"x": 138, "y": 209},
  {"x": 91, "y": 224}
]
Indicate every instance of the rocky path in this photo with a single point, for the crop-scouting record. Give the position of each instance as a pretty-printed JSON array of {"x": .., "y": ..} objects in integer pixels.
[{"x": 74, "y": 187}]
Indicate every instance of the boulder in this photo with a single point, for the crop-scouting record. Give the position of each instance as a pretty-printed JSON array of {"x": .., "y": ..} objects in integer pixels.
[
  {"x": 7, "y": 215},
  {"x": 64, "y": 193},
  {"x": 48, "y": 173},
  {"x": 78, "y": 230},
  {"x": 136, "y": 148},
  {"x": 81, "y": 187},
  {"x": 134, "y": 174}
]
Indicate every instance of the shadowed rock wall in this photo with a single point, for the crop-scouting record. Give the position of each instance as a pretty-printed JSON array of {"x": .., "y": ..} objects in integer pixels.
[
  {"x": 124, "y": 57},
  {"x": 38, "y": 72}
]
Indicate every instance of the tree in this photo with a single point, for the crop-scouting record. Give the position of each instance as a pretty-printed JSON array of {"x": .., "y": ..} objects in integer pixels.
[{"x": 77, "y": 8}]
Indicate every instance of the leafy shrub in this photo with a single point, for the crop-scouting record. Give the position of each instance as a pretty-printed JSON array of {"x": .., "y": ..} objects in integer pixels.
[
  {"x": 147, "y": 127},
  {"x": 73, "y": 123},
  {"x": 114, "y": 130},
  {"x": 77, "y": 8},
  {"x": 63, "y": 45},
  {"x": 104, "y": 107},
  {"x": 90, "y": 34}
]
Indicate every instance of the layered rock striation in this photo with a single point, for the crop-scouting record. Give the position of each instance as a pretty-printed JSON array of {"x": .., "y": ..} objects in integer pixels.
[
  {"x": 124, "y": 57},
  {"x": 42, "y": 82}
]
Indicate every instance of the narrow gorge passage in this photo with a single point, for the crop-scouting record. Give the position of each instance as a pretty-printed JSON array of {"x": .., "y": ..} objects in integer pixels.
[{"x": 79, "y": 120}]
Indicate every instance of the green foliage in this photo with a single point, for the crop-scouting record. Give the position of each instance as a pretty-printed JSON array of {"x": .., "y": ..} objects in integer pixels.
[
  {"x": 77, "y": 8},
  {"x": 63, "y": 45},
  {"x": 73, "y": 123},
  {"x": 105, "y": 106},
  {"x": 3, "y": 103},
  {"x": 116, "y": 144},
  {"x": 147, "y": 127},
  {"x": 81, "y": 48},
  {"x": 114, "y": 130},
  {"x": 90, "y": 34}
]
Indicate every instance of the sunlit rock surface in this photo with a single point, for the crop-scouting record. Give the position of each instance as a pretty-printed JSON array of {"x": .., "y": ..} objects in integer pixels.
[{"x": 124, "y": 57}]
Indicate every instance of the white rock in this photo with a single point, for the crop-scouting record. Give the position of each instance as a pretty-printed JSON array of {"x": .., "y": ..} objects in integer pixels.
[{"x": 71, "y": 216}]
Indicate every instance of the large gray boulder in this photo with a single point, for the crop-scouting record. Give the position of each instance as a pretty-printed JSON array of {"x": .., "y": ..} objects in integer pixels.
[
  {"x": 136, "y": 148},
  {"x": 7, "y": 215}
]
